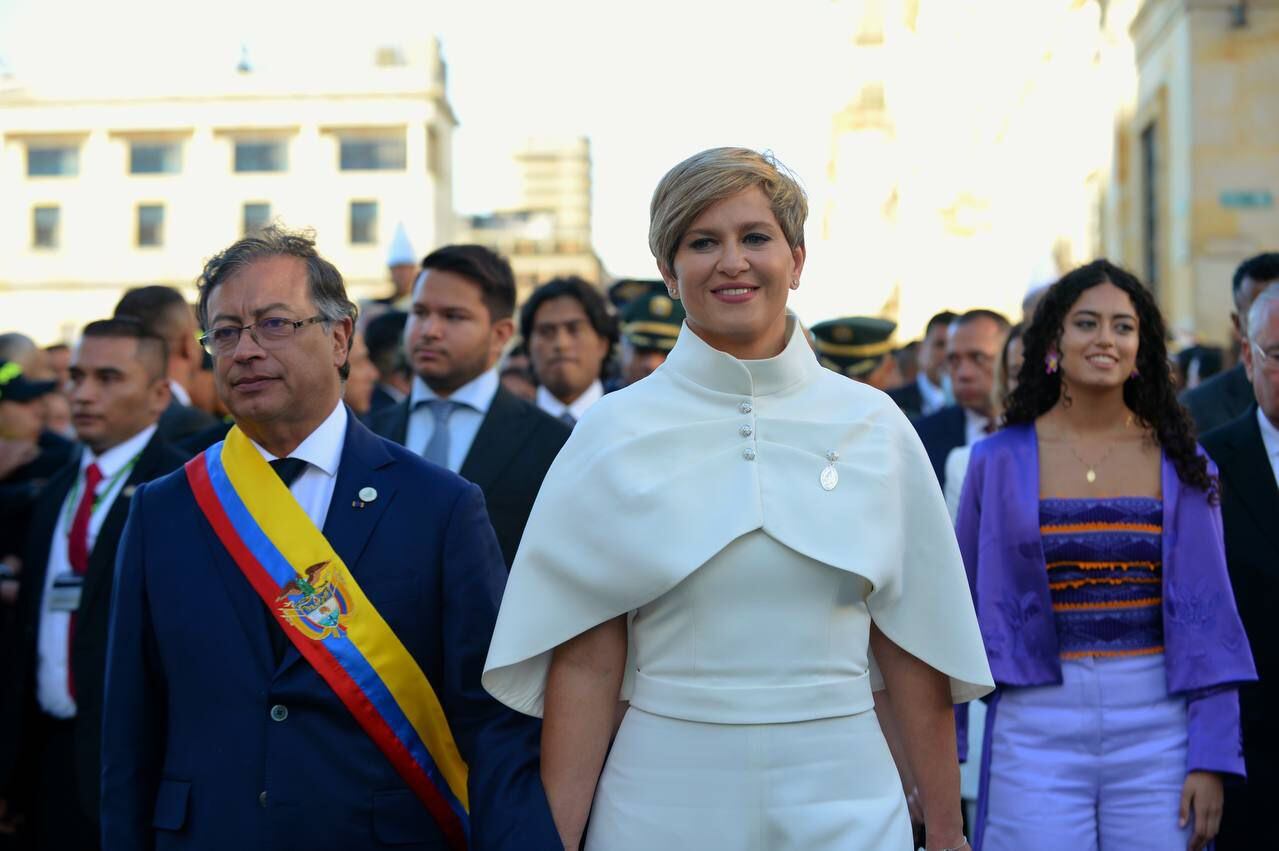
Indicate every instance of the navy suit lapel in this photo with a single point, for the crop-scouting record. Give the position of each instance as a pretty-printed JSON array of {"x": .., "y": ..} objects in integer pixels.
[
  {"x": 351, "y": 520},
  {"x": 1251, "y": 474},
  {"x": 502, "y": 434}
]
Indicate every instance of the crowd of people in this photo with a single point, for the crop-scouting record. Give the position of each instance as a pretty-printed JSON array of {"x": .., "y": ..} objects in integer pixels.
[{"x": 651, "y": 566}]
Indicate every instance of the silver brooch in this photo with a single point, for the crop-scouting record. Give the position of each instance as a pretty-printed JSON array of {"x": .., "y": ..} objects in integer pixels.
[{"x": 830, "y": 476}]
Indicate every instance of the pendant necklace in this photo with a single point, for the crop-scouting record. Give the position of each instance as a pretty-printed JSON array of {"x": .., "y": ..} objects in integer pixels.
[{"x": 1091, "y": 469}]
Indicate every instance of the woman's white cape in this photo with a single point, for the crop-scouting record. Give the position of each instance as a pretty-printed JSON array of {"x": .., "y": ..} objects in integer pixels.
[{"x": 656, "y": 479}]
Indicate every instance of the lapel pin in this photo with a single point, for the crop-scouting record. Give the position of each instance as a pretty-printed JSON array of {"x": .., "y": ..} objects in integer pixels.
[{"x": 367, "y": 494}]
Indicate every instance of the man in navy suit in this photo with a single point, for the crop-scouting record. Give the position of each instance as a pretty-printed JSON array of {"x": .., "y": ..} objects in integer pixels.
[
  {"x": 458, "y": 415},
  {"x": 217, "y": 732},
  {"x": 972, "y": 349}
]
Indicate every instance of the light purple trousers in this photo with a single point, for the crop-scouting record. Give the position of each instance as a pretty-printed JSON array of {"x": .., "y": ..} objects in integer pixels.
[{"x": 1094, "y": 764}]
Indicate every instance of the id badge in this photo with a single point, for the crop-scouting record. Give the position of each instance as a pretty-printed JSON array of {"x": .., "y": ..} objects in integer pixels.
[{"x": 64, "y": 596}]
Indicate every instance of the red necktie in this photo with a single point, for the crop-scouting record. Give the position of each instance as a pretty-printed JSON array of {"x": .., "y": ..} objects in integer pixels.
[{"x": 78, "y": 549}]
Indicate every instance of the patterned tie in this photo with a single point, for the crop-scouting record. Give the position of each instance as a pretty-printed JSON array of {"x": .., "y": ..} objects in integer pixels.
[
  {"x": 437, "y": 448},
  {"x": 288, "y": 469},
  {"x": 78, "y": 552}
]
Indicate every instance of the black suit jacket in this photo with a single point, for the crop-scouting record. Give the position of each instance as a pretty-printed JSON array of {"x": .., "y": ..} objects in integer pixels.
[
  {"x": 180, "y": 421},
  {"x": 512, "y": 451},
  {"x": 89, "y": 649},
  {"x": 909, "y": 398},
  {"x": 941, "y": 432},
  {"x": 1250, "y": 513},
  {"x": 1219, "y": 400}
]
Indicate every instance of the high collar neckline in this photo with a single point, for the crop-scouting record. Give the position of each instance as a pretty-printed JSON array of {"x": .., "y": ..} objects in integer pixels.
[{"x": 698, "y": 361}]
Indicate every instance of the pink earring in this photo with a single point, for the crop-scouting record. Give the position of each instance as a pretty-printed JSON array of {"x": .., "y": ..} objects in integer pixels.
[
  {"x": 1051, "y": 363},
  {"x": 1134, "y": 375}
]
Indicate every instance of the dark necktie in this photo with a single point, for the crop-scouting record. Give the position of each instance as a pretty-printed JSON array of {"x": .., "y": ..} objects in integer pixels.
[
  {"x": 568, "y": 419},
  {"x": 288, "y": 469}
]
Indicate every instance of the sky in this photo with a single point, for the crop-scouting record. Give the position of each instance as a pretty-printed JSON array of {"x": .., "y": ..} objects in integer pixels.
[{"x": 648, "y": 83}]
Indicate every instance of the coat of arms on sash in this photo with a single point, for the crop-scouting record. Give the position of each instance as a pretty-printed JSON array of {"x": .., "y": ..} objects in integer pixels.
[{"x": 316, "y": 604}]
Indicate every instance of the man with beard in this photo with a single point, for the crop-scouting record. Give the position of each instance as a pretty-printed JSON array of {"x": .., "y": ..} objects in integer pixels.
[{"x": 458, "y": 415}]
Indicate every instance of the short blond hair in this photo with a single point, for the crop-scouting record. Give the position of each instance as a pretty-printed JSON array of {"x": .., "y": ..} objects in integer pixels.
[{"x": 713, "y": 175}]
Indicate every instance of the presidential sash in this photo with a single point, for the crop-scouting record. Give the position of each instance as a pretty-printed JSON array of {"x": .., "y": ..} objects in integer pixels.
[{"x": 322, "y": 610}]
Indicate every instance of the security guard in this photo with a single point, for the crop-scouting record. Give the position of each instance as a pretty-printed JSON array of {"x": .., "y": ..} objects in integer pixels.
[
  {"x": 860, "y": 347},
  {"x": 650, "y": 324}
]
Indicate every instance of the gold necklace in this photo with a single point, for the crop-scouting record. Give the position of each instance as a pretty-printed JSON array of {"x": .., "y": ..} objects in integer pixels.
[{"x": 1091, "y": 469}]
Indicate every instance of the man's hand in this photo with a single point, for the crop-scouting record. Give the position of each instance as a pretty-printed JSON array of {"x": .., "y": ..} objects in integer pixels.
[{"x": 1202, "y": 795}]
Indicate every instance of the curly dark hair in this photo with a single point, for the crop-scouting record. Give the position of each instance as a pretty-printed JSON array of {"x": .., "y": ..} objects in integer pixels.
[{"x": 1151, "y": 396}]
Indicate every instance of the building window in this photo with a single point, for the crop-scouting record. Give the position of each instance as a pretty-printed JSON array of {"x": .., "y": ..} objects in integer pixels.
[
  {"x": 363, "y": 222},
  {"x": 155, "y": 158},
  {"x": 372, "y": 153},
  {"x": 1150, "y": 246},
  {"x": 257, "y": 215},
  {"x": 53, "y": 161},
  {"x": 269, "y": 155},
  {"x": 46, "y": 226},
  {"x": 150, "y": 225}
]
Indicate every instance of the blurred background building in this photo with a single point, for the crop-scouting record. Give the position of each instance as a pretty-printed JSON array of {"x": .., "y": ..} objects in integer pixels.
[
  {"x": 546, "y": 232},
  {"x": 1195, "y": 174},
  {"x": 103, "y": 190}
]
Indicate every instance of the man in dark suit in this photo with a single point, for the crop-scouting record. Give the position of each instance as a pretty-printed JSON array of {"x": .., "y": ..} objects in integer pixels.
[
  {"x": 1227, "y": 395},
  {"x": 219, "y": 728},
  {"x": 458, "y": 415},
  {"x": 53, "y": 707},
  {"x": 972, "y": 349},
  {"x": 1246, "y": 452},
  {"x": 926, "y": 394},
  {"x": 165, "y": 314}
]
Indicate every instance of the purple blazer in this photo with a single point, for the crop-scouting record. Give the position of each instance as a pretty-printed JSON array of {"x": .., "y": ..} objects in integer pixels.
[{"x": 1206, "y": 652}]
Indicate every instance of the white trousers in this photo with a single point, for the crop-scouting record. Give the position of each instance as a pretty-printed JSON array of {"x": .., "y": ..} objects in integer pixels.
[
  {"x": 824, "y": 785},
  {"x": 1094, "y": 764}
]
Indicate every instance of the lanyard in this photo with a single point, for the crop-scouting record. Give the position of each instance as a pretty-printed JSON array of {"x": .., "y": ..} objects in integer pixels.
[{"x": 74, "y": 501}]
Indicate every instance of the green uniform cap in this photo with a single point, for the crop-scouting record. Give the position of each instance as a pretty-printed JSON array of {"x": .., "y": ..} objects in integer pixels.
[
  {"x": 653, "y": 321},
  {"x": 853, "y": 345}
]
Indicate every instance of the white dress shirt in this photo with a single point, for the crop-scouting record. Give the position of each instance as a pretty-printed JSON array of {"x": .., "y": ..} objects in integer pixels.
[
  {"x": 933, "y": 398},
  {"x": 1270, "y": 439},
  {"x": 180, "y": 393},
  {"x": 473, "y": 400},
  {"x": 322, "y": 450},
  {"x": 52, "y": 650},
  {"x": 547, "y": 402},
  {"x": 975, "y": 426}
]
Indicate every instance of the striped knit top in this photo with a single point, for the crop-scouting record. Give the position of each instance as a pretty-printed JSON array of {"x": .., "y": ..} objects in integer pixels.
[{"x": 1104, "y": 574}]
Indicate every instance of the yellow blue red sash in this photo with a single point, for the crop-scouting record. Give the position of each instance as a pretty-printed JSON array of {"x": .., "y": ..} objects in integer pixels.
[{"x": 322, "y": 610}]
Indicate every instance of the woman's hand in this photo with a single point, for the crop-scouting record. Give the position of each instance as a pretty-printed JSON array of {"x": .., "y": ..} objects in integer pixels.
[{"x": 1203, "y": 795}]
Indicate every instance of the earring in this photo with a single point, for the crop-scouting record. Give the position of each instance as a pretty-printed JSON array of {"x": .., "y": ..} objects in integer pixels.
[
  {"x": 794, "y": 285},
  {"x": 1051, "y": 362},
  {"x": 674, "y": 291},
  {"x": 1134, "y": 375}
]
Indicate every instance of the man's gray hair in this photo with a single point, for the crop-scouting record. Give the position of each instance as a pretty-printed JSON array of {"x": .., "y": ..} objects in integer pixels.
[
  {"x": 1267, "y": 300},
  {"x": 327, "y": 289}
]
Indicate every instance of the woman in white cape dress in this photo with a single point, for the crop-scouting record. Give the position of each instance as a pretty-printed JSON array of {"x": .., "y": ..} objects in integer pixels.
[{"x": 740, "y": 545}]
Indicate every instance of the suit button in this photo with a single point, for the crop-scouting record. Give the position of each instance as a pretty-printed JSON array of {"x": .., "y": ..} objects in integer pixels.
[
  {"x": 262, "y": 800},
  {"x": 278, "y": 713}
]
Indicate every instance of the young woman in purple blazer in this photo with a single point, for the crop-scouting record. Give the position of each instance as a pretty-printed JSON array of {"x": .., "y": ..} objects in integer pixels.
[{"x": 1092, "y": 537}]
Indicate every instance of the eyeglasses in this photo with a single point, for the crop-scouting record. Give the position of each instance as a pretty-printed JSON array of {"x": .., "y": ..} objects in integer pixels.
[
  {"x": 1268, "y": 360},
  {"x": 269, "y": 333}
]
